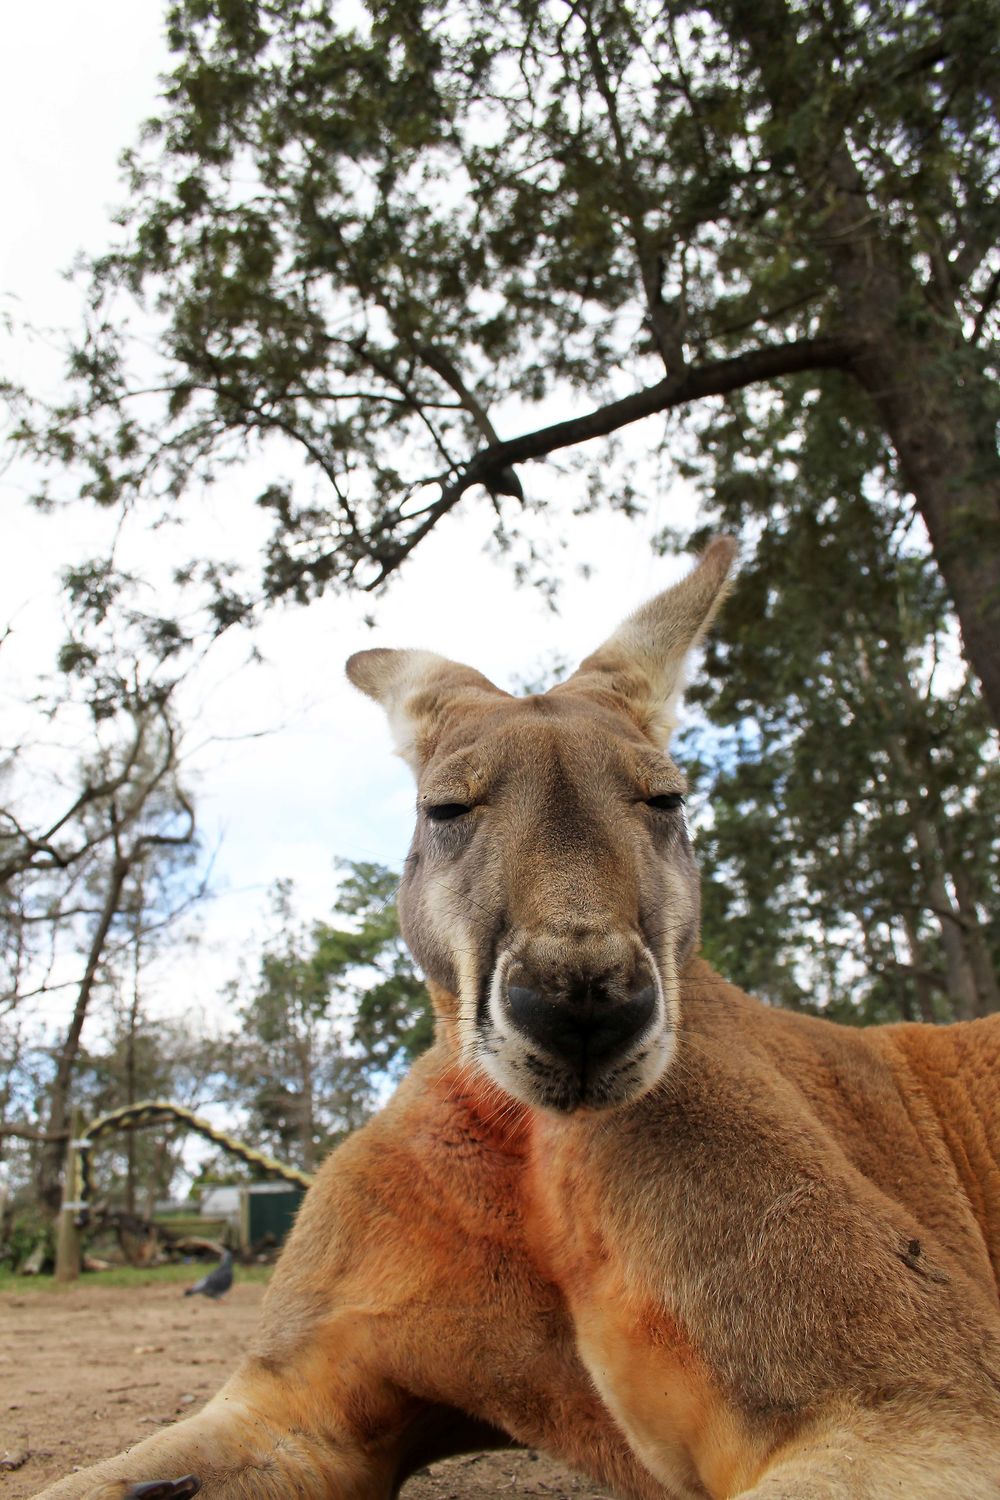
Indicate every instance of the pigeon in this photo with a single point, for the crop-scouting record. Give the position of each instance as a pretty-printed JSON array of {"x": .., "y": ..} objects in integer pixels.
[{"x": 217, "y": 1282}]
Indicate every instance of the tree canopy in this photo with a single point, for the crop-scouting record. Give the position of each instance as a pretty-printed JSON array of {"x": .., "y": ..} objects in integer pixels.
[
  {"x": 409, "y": 257},
  {"x": 847, "y": 808},
  {"x": 371, "y": 240},
  {"x": 331, "y": 1019}
]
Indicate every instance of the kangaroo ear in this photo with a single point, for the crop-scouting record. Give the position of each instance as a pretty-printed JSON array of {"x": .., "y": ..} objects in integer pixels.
[
  {"x": 416, "y": 689},
  {"x": 641, "y": 667}
]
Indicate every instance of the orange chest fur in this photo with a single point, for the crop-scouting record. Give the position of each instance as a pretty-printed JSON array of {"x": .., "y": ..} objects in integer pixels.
[
  {"x": 518, "y": 1182},
  {"x": 661, "y": 1394},
  {"x": 652, "y": 1379}
]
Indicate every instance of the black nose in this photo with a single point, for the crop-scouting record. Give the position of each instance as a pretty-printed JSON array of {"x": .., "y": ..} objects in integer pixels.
[{"x": 586, "y": 1026}]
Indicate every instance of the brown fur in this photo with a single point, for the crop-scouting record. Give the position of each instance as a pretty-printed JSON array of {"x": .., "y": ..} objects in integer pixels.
[{"x": 752, "y": 1254}]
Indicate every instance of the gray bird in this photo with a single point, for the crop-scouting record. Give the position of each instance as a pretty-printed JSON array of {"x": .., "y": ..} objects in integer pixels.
[{"x": 217, "y": 1282}]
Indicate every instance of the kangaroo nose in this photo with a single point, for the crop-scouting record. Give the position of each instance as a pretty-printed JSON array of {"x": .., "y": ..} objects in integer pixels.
[{"x": 586, "y": 1025}]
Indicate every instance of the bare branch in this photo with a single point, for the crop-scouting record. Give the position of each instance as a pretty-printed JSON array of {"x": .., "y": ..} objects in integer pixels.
[
  {"x": 39, "y": 846},
  {"x": 28, "y": 1133}
]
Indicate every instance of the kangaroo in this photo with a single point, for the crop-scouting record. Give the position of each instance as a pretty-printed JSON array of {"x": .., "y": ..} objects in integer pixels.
[{"x": 694, "y": 1246}]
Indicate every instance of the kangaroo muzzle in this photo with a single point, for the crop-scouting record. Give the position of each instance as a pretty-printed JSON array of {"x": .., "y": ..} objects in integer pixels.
[
  {"x": 563, "y": 1033},
  {"x": 586, "y": 1027}
]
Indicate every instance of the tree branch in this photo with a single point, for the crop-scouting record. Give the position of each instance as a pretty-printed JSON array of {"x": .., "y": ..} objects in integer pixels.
[
  {"x": 990, "y": 297},
  {"x": 28, "y": 1133},
  {"x": 715, "y": 378},
  {"x": 34, "y": 846}
]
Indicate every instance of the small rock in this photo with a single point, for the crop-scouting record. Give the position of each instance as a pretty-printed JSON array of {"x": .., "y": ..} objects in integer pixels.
[{"x": 15, "y": 1457}]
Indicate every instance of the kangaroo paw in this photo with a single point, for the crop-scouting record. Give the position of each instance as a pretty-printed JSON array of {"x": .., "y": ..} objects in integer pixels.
[{"x": 165, "y": 1489}]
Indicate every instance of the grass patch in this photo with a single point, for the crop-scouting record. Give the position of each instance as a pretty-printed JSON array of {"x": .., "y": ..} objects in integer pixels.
[{"x": 126, "y": 1276}]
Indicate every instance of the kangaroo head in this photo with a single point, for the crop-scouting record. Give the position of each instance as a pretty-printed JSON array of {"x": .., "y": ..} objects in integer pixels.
[{"x": 550, "y": 894}]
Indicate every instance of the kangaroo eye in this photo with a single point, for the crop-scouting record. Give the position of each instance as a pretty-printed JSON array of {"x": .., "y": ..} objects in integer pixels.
[
  {"x": 666, "y": 801},
  {"x": 447, "y": 812}
]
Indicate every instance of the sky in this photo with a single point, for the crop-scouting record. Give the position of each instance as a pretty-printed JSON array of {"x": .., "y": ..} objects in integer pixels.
[{"x": 289, "y": 765}]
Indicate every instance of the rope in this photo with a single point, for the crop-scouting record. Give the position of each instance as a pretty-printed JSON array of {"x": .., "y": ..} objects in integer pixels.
[{"x": 161, "y": 1111}]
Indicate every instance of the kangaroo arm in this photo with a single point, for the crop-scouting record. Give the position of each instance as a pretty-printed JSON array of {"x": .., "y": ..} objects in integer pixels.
[
  {"x": 405, "y": 1321},
  {"x": 242, "y": 1444},
  {"x": 236, "y": 1448}
]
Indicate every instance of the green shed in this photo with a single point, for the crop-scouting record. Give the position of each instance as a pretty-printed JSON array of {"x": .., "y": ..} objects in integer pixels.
[{"x": 267, "y": 1211}]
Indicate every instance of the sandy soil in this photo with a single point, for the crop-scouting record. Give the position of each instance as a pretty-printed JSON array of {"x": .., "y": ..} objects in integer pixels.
[{"x": 87, "y": 1372}]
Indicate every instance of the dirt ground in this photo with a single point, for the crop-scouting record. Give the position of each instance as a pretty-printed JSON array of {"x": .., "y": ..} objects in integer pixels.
[{"x": 89, "y": 1371}]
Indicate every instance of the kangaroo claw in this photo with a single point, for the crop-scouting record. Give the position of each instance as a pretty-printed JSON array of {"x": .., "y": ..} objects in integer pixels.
[{"x": 165, "y": 1489}]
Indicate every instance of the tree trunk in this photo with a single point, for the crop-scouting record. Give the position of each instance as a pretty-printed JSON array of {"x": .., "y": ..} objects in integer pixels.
[
  {"x": 51, "y": 1157},
  {"x": 130, "y": 1059},
  {"x": 961, "y": 979},
  {"x": 960, "y": 974},
  {"x": 980, "y": 959},
  {"x": 933, "y": 402},
  {"x": 921, "y": 979},
  {"x": 936, "y": 406},
  {"x": 927, "y": 385}
]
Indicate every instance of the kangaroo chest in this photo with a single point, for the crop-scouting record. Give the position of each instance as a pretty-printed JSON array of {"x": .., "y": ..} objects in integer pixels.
[
  {"x": 653, "y": 1380},
  {"x": 657, "y": 1388},
  {"x": 725, "y": 1266}
]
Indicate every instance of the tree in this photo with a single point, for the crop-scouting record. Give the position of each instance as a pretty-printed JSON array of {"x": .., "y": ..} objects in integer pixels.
[
  {"x": 291, "y": 1068},
  {"x": 146, "y": 824},
  {"x": 371, "y": 968},
  {"x": 99, "y": 876},
  {"x": 138, "y": 1057},
  {"x": 849, "y": 845},
  {"x": 371, "y": 241},
  {"x": 333, "y": 1017},
  {"x": 98, "y": 845}
]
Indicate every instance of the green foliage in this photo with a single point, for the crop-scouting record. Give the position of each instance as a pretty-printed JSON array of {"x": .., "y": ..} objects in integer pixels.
[
  {"x": 393, "y": 1019},
  {"x": 28, "y": 1228},
  {"x": 335, "y": 1015},
  {"x": 850, "y": 840},
  {"x": 357, "y": 234}
]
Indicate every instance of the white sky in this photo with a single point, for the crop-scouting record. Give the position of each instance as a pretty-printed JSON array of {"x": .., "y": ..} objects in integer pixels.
[{"x": 76, "y": 79}]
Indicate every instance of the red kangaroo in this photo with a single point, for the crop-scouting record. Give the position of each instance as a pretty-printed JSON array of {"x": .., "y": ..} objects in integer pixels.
[{"x": 694, "y": 1246}]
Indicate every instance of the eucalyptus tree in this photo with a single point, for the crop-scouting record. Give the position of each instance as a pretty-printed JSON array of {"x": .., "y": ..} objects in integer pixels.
[
  {"x": 380, "y": 237},
  {"x": 141, "y": 841},
  {"x": 292, "y": 1069},
  {"x": 334, "y": 1014},
  {"x": 97, "y": 847},
  {"x": 373, "y": 972},
  {"x": 850, "y": 846}
]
